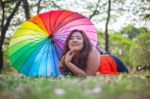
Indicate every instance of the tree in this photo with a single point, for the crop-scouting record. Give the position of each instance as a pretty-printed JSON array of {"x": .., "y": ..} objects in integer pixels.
[
  {"x": 106, "y": 8},
  {"x": 26, "y": 9},
  {"x": 5, "y": 24},
  {"x": 106, "y": 26},
  {"x": 132, "y": 32},
  {"x": 38, "y": 6},
  {"x": 140, "y": 53}
]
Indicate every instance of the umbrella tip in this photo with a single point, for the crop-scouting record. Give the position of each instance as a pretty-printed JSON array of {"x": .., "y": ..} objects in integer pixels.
[{"x": 49, "y": 36}]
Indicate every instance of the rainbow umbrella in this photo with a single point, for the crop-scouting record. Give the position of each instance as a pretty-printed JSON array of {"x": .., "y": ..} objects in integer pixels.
[{"x": 37, "y": 44}]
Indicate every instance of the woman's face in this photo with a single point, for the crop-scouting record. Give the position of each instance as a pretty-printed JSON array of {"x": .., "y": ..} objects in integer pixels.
[{"x": 76, "y": 41}]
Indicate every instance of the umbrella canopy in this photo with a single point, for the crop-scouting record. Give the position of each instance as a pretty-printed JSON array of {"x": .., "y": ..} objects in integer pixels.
[{"x": 37, "y": 44}]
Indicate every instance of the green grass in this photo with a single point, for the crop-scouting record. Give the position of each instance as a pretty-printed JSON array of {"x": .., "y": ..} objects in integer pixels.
[{"x": 124, "y": 86}]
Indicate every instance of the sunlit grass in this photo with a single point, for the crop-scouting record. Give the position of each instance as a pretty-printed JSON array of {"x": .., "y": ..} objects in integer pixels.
[{"x": 124, "y": 86}]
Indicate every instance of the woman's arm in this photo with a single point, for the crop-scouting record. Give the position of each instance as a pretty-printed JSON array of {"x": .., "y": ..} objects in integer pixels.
[
  {"x": 93, "y": 62},
  {"x": 76, "y": 70}
]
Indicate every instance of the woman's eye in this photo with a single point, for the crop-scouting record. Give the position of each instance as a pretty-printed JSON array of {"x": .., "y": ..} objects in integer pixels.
[
  {"x": 79, "y": 38},
  {"x": 71, "y": 38}
]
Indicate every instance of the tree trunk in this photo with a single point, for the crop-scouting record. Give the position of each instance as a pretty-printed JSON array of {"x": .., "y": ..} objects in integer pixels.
[
  {"x": 106, "y": 27},
  {"x": 26, "y": 9},
  {"x": 4, "y": 29},
  {"x": 1, "y": 58},
  {"x": 38, "y": 6}
]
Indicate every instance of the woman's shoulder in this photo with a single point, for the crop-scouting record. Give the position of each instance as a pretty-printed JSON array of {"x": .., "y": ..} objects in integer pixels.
[
  {"x": 94, "y": 54},
  {"x": 93, "y": 61},
  {"x": 94, "y": 51}
]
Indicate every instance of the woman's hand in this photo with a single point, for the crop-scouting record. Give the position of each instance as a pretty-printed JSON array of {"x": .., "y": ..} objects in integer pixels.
[
  {"x": 60, "y": 64},
  {"x": 69, "y": 57}
]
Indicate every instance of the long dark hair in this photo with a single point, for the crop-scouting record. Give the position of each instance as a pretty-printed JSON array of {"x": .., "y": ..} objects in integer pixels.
[{"x": 87, "y": 46}]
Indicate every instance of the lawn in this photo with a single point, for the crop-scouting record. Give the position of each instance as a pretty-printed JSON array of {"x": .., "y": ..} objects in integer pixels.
[{"x": 123, "y": 86}]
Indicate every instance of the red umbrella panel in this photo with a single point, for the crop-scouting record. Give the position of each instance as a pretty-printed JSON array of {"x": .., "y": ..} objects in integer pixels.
[{"x": 37, "y": 44}]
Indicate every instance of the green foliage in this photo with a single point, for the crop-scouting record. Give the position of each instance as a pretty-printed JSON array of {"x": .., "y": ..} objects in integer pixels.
[
  {"x": 147, "y": 17},
  {"x": 101, "y": 39},
  {"x": 98, "y": 87},
  {"x": 132, "y": 32},
  {"x": 118, "y": 45},
  {"x": 133, "y": 48},
  {"x": 140, "y": 54},
  {"x": 120, "y": 41}
]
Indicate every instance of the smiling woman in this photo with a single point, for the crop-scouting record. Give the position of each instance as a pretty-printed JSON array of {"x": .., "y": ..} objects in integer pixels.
[{"x": 79, "y": 57}]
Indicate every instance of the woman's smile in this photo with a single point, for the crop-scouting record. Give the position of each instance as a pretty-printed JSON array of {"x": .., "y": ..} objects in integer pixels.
[{"x": 75, "y": 44}]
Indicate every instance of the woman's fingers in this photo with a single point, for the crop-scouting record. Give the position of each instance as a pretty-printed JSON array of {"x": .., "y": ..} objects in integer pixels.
[
  {"x": 69, "y": 56},
  {"x": 62, "y": 59}
]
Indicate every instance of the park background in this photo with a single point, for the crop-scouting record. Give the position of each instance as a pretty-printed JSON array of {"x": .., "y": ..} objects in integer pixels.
[{"x": 123, "y": 28}]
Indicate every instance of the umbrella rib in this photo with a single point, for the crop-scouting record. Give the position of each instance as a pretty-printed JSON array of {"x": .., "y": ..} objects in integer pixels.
[
  {"x": 72, "y": 21},
  {"x": 54, "y": 62},
  {"x": 57, "y": 51},
  {"x": 63, "y": 21},
  {"x": 22, "y": 46},
  {"x": 61, "y": 37},
  {"x": 43, "y": 23},
  {"x": 69, "y": 21},
  {"x": 33, "y": 30},
  {"x": 33, "y": 62},
  {"x": 50, "y": 22},
  {"x": 70, "y": 27},
  {"x": 58, "y": 40},
  {"x": 26, "y": 40},
  {"x": 76, "y": 25},
  {"x": 56, "y": 21},
  {"x": 27, "y": 35},
  {"x": 20, "y": 55},
  {"x": 65, "y": 25},
  {"x": 47, "y": 58},
  {"x": 42, "y": 56}
]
